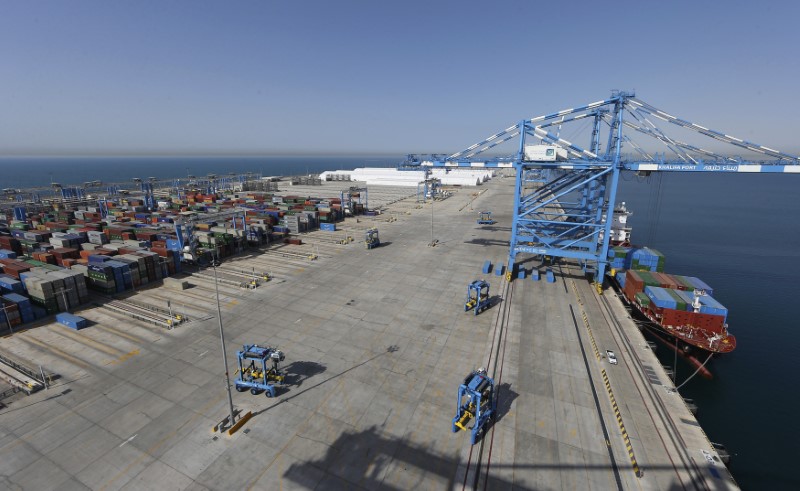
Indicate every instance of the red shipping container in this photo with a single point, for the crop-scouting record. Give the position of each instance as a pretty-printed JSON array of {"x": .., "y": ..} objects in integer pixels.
[
  {"x": 161, "y": 251},
  {"x": 633, "y": 284},
  {"x": 103, "y": 252},
  {"x": 65, "y": 252}
]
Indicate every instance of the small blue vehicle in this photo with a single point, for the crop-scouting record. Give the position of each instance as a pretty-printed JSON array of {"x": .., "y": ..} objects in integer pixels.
[
  {"x": 253, "y": 373},
  {"x": 485, "y": 218},
  {"x": 371, "y": 239},
  {"x": 476, "y": 400},
  {"x": 477, "y": 297}
]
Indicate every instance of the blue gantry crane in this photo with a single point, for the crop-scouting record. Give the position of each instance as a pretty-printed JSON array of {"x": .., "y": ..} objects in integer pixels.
[
  {"x": 565, "y": 193},
  {"x": 355, "y": 200},
  {"x": 476, "y": 401},
  {"x": 253, "y": 372}
]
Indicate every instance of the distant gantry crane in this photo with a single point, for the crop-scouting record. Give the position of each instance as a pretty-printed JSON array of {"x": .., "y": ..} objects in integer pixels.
[
  {"x": 355, "y": 200},
  {"x": 565, "y": 193}
]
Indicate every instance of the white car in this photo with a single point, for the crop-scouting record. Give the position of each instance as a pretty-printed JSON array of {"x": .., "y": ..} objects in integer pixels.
[{"x": 612, "y": 358}]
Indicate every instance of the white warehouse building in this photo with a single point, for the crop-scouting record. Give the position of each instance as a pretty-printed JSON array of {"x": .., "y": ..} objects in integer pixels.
[{"x": 388, "y": 176}]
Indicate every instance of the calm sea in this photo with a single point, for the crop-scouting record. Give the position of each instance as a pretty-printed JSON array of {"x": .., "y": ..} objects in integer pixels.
[
  {"x": 37, "y": 171},
  {"x": 739, "y": 233}
]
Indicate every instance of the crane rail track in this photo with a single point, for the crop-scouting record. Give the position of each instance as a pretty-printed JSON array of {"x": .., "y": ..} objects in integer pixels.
[{"x": 476, "y": 471}]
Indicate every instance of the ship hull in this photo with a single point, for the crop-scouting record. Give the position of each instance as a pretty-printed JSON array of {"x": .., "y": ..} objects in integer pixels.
[{"x": 695, "y": 354}]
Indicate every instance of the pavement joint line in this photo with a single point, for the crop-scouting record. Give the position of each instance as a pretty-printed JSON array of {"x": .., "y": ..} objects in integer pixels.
[
  {"x": 156, "y": 445},
  {"x": 118, "y": 333},
  {"x": 82, "y": 339},
  {"x": 302, "y": 425},
  {"x": 625, "y": 438},
  {"x": 60, "y": 353}
]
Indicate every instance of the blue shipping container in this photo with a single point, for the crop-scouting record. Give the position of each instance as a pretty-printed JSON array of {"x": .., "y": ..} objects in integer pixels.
[
  {"x": 9, "y": 284},
  {"x": 710, "y": 306},
  {"x": 39, "y": 312},
  {"x": 6, "y": 254},
  {"x": 700, "y": 284},
  {"x": 71, "y": 321},
  {"x": 621, "y": 279},
  {"x": 660, "y": 297}
]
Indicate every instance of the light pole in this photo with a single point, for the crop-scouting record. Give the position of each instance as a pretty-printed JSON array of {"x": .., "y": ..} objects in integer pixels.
[
  {"x": 8, "y": 321},
  {"x": 429, "y": 188},
  {"x": 63, "y": 292},
  {"x": 224, "y": 351},
  {"x": 431, "y": 221}
]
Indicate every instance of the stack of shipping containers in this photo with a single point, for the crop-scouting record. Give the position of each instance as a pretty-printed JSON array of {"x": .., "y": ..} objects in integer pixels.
[{"x": 51, "y": 260}]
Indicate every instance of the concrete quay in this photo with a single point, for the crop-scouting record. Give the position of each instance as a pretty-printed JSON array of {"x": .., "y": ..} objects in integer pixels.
[{"x": 376, "y": 343}]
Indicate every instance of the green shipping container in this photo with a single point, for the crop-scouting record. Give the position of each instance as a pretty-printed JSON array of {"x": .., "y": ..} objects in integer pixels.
[{"x": 681, "y": 305}]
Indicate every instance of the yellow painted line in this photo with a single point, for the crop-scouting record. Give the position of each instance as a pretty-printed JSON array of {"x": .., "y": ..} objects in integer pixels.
[
  {"x": 56, "y": 351},
  {"x": 125, "y": 357},
  {"x": 82, "y": 339},
  {"x": 625, "y": 438}
]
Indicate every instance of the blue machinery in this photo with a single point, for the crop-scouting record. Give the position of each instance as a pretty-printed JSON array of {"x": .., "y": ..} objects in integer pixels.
[
  {"x": 253, "y": 373},
  {"x": 187, "y": 242},
  {"x": 563, "y": 191},
  {"x": 430, "y": 188},
  {"x": 477, "y": 296},
  {"x": 92, "y": 190},
  {"x": 476, "y": 400},
  {"x": 485, "y": 218},
  {"x": 353, "y": 200},
  {"x": 20, "y": 213},
  {"x": 371, "y": 239}
]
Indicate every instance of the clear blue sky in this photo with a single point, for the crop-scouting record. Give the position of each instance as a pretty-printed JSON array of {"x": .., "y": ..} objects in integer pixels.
[{"x": 110, "y": 77}]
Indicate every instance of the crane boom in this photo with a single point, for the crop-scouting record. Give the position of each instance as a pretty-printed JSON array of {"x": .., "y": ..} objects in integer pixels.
[{"x": 561, "y": 204}]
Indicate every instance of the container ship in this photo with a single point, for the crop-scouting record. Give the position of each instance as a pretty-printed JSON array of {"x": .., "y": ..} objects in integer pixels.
[{"x": 679, "y": 310}]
